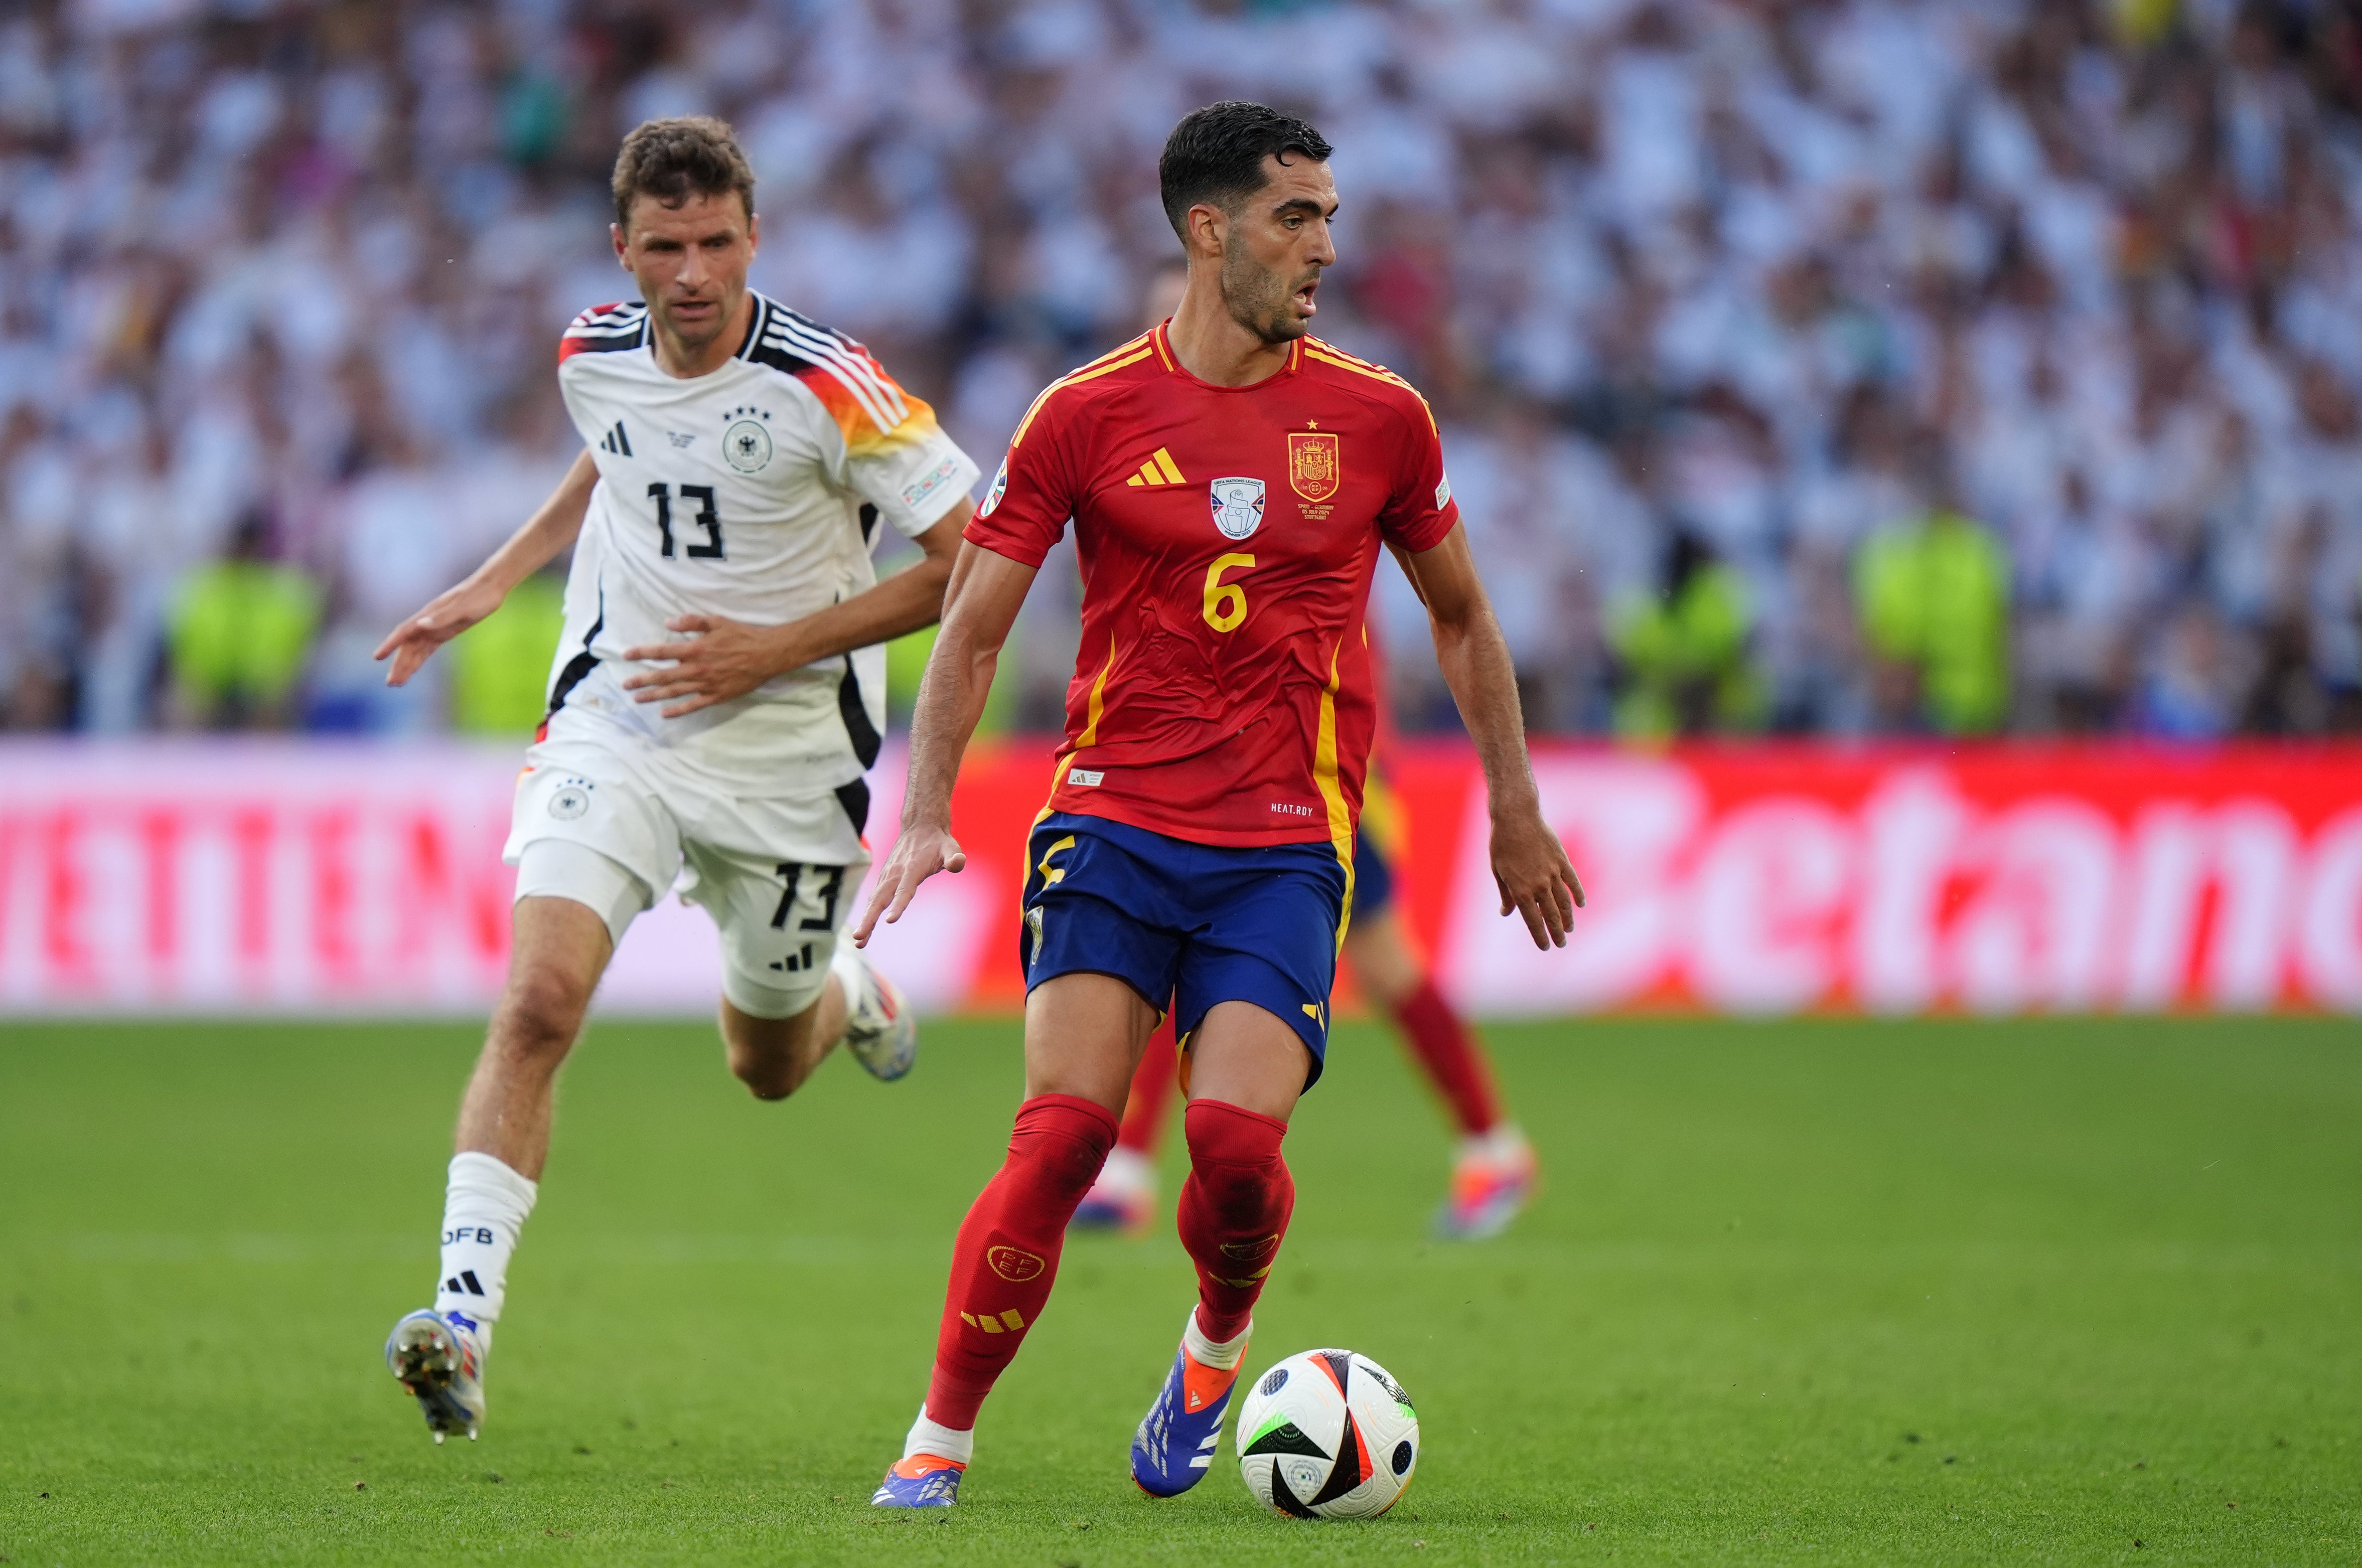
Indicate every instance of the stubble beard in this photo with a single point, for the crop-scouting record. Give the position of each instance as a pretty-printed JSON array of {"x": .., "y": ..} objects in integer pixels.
[{"x": 1257, "y": 297}]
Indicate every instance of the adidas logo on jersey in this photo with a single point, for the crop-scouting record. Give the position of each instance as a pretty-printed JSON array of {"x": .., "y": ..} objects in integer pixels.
[
  {"x": 616, "y": 441},
  {"x": 1159, "y": 470}
]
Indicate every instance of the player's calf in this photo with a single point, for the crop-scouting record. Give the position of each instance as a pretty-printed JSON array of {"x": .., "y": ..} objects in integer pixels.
[
  {"x": 1234, "y": 1209},
  {"x": 773, "y": 1056},
  {"x": 1003, "y": 1264}
]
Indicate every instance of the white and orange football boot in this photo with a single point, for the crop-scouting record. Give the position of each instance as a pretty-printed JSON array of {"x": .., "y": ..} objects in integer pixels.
[{"x": 879, "y": 1029}]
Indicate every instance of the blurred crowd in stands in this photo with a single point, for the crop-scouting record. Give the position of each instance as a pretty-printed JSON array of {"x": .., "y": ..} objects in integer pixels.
[{"x": 1805, "y": 366}]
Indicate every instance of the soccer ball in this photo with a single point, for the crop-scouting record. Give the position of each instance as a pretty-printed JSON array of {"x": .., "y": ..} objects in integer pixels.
[{"x": 1328, "y": 1434}]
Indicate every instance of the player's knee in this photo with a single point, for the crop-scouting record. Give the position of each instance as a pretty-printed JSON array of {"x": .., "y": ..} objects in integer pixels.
[
  {"x": 540, "y": 1014},
  {"x": 1234, "y": 1158}
]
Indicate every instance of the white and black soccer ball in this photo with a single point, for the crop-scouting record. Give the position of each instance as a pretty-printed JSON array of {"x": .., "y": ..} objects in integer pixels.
[{"x": 1328, "y": 1434}]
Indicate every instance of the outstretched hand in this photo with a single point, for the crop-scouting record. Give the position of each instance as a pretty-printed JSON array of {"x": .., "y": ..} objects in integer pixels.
[
  {"x": 451, "y": 612},
  {"x": 716, "y": 660},
  {"x": 1536, "y": 879},
  {"x": 918, "y": 855}
]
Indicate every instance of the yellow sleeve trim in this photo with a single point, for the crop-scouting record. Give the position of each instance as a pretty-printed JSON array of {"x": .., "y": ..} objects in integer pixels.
[{"x": 1375, "y": 372}]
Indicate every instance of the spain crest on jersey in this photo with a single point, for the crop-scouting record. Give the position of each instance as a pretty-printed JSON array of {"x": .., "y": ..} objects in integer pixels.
[
  {"x": 1238, "y": 506},
  {"x": 1312, "y": 466}
]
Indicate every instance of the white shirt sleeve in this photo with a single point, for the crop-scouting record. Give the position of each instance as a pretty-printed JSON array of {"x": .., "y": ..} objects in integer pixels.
[{"x": 889, "y": 450}]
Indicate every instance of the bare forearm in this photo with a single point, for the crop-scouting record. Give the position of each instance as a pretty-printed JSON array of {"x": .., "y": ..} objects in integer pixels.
[
  {"x": 950, "y": 703},
  {"x": 902, "y": 603},
  {"x": 550, "y": 530},
  {"x": 1483, "y": 683}
]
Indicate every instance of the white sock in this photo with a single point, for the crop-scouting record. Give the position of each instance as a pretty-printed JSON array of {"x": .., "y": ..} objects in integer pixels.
[
  {"x": 483, "y": 1210},
  {"x": 933, "y": 1437},
  {"x": 1500, "y": 1144},
  {"x": 1223, "y": 1356},
  {"x": 1129, "y": 1170},
  {"x": 850, "y": 970}
]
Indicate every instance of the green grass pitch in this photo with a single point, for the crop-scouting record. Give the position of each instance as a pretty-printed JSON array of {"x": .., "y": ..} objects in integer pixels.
[{"x": 1809, "y": 1292}]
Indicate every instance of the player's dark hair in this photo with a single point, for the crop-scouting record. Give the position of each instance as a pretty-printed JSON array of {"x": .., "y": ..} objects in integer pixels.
[
  {"x": 1216, "y": 155},
  {"x": 695, "y": 155}
]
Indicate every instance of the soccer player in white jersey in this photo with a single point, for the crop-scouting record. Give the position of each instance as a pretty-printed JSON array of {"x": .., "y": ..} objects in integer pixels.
[{"x": 716, "y": 701}]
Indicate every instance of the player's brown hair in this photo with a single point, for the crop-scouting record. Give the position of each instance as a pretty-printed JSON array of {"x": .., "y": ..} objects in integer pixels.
[
  {"x": 694, "y": 155},
  {"x": 1216, "y": 155}
]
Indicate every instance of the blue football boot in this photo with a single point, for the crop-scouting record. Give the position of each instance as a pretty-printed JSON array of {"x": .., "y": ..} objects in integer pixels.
[
  {"x": 1175, "y": 1445},
  {"x": 922, "y": 1481}
]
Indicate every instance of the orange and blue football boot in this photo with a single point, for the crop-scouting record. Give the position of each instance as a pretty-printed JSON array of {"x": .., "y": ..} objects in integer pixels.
[
  {"x": 922, "y": 1481},
  {"x": 1493, "y": 1179},
  {"x": 1175, "y": 1445}
]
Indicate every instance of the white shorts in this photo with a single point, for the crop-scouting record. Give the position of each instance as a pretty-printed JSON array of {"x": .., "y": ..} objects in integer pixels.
[{"x": 611, "y": 821}]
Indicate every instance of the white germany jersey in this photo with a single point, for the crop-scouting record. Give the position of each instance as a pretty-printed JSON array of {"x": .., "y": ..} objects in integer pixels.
[{"x": 751, "y": 493}]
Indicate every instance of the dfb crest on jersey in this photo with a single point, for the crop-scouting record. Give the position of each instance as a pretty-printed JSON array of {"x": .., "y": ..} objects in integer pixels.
[
  {"x": 746, "y": 445},
  {"x": 1238, "y": 506}
]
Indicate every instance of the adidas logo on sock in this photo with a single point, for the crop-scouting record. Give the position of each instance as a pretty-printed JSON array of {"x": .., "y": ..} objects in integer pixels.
[{"x": 466, "y": 1284}]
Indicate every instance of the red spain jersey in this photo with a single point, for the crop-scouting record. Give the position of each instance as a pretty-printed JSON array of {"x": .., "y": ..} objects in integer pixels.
[{"x": 1222, "y": 693}]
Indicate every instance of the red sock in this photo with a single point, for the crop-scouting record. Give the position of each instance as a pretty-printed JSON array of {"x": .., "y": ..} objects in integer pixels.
[
  {"x": 1151, "y": 1092},
  {"x": 1234, "y": 1209},
  {"x": 1007, "y": 1253},
  {"x": 1453, "y": 1061}
]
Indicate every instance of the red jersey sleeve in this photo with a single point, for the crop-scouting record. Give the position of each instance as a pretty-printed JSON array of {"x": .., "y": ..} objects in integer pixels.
[
  {"x": 1032, "y": 497},
  {"x": 1421, "y": 511}
]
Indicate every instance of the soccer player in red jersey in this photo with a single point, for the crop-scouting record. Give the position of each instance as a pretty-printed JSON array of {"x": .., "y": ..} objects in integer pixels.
[
  {"x": 1493, "y": 1171},
  {"x": 1230, "y": 479}
]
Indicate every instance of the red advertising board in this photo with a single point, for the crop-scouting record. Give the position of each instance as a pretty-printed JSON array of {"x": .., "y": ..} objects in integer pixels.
[{"x": 286, "y": 875}]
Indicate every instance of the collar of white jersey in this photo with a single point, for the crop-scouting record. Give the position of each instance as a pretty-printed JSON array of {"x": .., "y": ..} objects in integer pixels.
[{"x": 756, "y": 320}]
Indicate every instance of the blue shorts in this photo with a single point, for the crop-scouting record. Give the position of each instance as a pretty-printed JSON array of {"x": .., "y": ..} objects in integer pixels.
[
  {"x": 1186, "y": 925},
  {"x": 1374, "y": 879}
]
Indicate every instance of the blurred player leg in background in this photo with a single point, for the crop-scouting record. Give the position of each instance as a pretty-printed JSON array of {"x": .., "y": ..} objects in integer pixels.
[
  {"x": 1124, "y": 1198},
  {"x": 1494, "y": 1174}
]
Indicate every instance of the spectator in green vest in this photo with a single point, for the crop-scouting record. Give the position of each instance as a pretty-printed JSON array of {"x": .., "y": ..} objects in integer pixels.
[
  {"x": 1684, "y": 652},
  {"x": 239, "y": 632},
  {"x": 500, "y": 675},
  {"x": 1934, "y": 599}
]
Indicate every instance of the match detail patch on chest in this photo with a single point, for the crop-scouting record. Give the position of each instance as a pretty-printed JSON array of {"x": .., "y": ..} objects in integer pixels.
[
  {"x": 1314, "y": 470},
  {"x": 1238, "y": 506}
]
